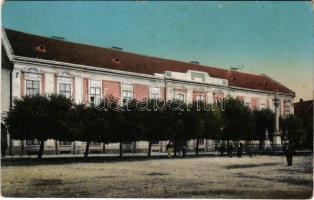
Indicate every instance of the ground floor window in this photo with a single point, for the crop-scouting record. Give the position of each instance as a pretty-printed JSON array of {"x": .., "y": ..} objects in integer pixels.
[
  {"x": 65, "y": 143},
  {"x": 155, "y": 142},
  {"x": 32, "y": 142},
  {"x": 95, "y": 143}
]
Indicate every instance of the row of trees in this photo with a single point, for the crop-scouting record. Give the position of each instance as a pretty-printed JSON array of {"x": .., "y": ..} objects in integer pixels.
[{"x": 56, "y": 117}]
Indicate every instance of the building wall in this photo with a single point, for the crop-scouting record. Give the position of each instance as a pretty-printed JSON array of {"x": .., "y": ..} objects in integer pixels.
[
  {"x": 5, "y": 89},
  {"x": 82, "y": 80}
]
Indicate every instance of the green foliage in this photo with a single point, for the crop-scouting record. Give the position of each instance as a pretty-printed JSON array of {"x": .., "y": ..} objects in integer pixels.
[
  {"x": 293, "y": 125},
  {"x": 56, "y": 117},
  {"x": 264, "y": 119},
  {"x": 29, "y": 118},
  {"x": 238, "y": 122}
]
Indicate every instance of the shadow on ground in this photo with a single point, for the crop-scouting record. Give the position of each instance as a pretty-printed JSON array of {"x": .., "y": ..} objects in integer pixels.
[
  {"x": 94, "y": 159},
  {"x": 240, "y": 166}
]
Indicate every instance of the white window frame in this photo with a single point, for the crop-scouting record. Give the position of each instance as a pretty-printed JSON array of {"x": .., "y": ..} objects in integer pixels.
[
  {"x": 32, "y": 74},
  {"x": 155, "y": 91},
  {"x": 32, "y": 88},
  {"x": 126, "y": 88},
  {"x": 196, "y": 76},
  {"x": 65, "y": 78},
  {"x": 65, "y": 92},
  {"x": 94, "y": 84}
]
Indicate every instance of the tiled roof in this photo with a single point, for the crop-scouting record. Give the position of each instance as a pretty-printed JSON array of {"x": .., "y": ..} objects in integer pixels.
[{"x": 58, "y": 50}]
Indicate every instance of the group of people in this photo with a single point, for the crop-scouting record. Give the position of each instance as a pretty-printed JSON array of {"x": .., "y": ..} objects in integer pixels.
[
  {"x": 231, "y": 149},
  {"x": 172, "y": 149},
  {"x": 288, "y": 150}
]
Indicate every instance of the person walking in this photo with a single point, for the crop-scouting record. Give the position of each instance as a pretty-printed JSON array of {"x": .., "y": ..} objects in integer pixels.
[
  {"x": 289, "y": 152},
  {"x": 230, "y": 150},
  {"x": 4, "y": 144},
  {"x": 184, "y": 151},
  {"x": 169, "y": 149},
  {"x": 222, "y": 149},
  {"x": 240, "y": 150}
]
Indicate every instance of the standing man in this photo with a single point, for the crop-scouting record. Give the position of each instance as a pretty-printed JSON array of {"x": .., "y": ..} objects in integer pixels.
[
  {"x": 169, "y": 149},
  {"x": 240, "y": 150},
  {"x": 4, "y": 143},
  {"x": 289, "y": 151}
]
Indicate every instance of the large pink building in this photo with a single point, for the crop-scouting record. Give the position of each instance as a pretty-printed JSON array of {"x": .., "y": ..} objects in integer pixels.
[{"x": 40, "y": 65}]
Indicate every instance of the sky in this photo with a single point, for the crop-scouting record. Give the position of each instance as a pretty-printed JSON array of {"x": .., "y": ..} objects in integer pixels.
[{"x": 272, "y": 38}]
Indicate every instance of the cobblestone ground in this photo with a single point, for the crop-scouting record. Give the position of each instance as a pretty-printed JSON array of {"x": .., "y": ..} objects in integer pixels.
[{"x": 205, "y": 177}]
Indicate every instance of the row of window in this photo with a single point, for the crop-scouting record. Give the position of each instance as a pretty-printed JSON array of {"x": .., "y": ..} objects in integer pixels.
[
  {"x": 67, "y": 143},
  {"x": 33, "y": 88}
]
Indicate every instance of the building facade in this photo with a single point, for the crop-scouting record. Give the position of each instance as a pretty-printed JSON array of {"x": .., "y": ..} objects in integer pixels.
[{"x": 40, "y": 65}]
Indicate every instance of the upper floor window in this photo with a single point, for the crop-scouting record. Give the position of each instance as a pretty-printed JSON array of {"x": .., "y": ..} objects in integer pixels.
[
  {"x": 200, "y": 98},
  {"x": 32, "y": 87},
  {"x": 65, "y": 89},
  {"x": 248, "y": 104},
  {"x": 65, "y": 81},
  {"x": 198, "y": 77},
  {"x": 180, "y": 97},
  {"x": 127, "y": 91},
  {"x": 154, "y": 94},
  {"x": 95, "y": 90},
  {"x": 127, "y": 96},
  {"x": 94, "y": 93}
]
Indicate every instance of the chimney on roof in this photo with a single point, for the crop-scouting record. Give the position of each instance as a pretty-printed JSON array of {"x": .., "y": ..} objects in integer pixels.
[
  {"x": 117, "y": 48},
  {"x": 301, "y": 100},
  {"x": 239, "y": 67},
  {"x": 194, "y": 62},
  {"x": 57, "y": 37}
]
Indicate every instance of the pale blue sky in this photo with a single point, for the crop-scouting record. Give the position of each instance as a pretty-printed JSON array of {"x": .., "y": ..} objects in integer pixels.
[{"x": 275, "y": 38}]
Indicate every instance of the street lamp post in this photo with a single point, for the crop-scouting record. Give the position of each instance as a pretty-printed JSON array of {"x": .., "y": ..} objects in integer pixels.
[{"x": 276, "y": 135}]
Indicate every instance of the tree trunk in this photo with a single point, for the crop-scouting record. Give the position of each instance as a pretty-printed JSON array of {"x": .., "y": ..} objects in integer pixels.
[
  {"x": 196, "y": 148},
  {"x": 22, "y": 147},
  {"x": 120, "y": 150},
  {"x": 74, "y": 147},
  {"x": 86, "y": 149},
  {"x": 41, "y": 149},
  {"x": 10, "y": 148},
  {"x": 260, "y": 144},
  {"x": 149, "y": 148},
  {"x": 175, "y": 149},
  {"x": 57, "y": 147}
]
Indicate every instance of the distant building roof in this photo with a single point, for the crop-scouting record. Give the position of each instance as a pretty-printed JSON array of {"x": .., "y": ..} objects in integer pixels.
[
  {"x": 304, "y": 108},
  {"x": 33, "y": 46}
]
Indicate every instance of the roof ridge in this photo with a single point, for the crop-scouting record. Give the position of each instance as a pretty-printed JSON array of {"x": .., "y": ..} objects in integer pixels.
[
  {"x": 103, "y": 57},
  {"x": 136, "y": 54}
]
